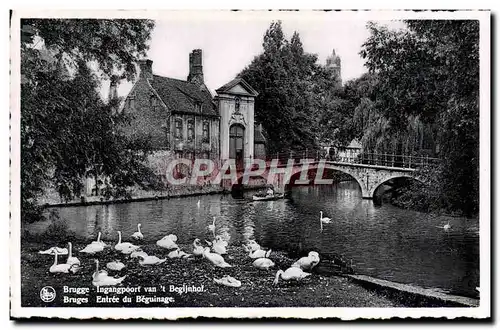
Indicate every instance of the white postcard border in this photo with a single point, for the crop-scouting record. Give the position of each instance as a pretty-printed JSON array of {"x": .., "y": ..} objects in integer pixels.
[{"x": 173, "y": 313}]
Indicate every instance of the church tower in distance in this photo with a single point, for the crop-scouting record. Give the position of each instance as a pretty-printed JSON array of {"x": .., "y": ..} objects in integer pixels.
[{"x": 333, "y": 63}]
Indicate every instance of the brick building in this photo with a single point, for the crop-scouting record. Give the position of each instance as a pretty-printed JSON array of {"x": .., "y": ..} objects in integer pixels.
[{"x": 183, "y": 119}]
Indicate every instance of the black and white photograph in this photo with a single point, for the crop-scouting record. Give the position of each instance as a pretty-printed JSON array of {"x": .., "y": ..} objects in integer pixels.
[{"x": 305, "y": 164}]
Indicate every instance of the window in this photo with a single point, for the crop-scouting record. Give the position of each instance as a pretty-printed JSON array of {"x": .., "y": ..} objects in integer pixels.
[
  {"x": 178, "y": 128},
  {"x": 206, "y": 131},
  {"x": 188, "y": 155},
  {"x": 153, "y": 101},
  {"x": 190, "y": 129}
]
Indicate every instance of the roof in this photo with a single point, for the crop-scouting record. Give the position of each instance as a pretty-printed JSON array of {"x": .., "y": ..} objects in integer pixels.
[
  {"x": 258, "y": 137},
  {"x": 248, "y": 90},
  {"x": 355, "y": 144},
  {"x": 181, "y": 96}
]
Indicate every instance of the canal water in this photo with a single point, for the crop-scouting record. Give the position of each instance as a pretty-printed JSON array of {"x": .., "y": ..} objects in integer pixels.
[{"x": 382, "y": 241}]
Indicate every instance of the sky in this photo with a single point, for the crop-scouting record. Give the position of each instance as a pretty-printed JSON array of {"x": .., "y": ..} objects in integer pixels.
[{"x": 230, "y": 44}]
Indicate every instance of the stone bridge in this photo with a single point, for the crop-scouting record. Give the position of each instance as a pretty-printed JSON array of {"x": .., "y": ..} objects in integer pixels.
[{"x": 368, "y": 176}]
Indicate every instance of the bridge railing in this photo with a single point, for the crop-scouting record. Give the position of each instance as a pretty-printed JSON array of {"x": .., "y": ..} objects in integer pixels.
[{"x": 378, "y": 159}]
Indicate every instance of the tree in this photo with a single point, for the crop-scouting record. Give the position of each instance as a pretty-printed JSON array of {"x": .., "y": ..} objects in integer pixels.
[
  {"x": 429, "y": 73},
  {"x": 67, "y": 131},
  {"x": 283, "y": 75}
]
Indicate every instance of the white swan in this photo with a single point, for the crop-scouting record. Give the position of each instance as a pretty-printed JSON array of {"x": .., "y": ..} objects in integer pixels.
[
  {"x": 61, "y": 268},
  {"x": 292, "y": 273},
  {"x": 212, "y": 227},
  {"x": 102, "y": 279},
  {"x": 219, "y": 245},
  {"x": 197, "y": 248},
  {"x": 258, "y": 253},
  {"x": 307, "y": 263},
  {"x": 125, "y": 246},
  {"x": 138, "y": 253},
  {"x": 53, "y": 250},
  {"x": 168, "y": 242},
  {"x": 115, "y": 265},
  {"x": 228, "y": 281},
  {"x": 138, "y": 235},
  {"x": 93, "y": 247},
  {"x": 253, "y": 245},
  {"x": 215, "y": 258},
  {"x": 72, "y": 260},
  {"x": 177, "y": 253},
  {"x": 99, "y": 241},
  {"x": 97, "y": 271},
  {"x": 324, "y": 219},
  {"x": 445, "y": 227},
  {"x": 151, "y": 260},
  {"x": 263, "y": 263}
]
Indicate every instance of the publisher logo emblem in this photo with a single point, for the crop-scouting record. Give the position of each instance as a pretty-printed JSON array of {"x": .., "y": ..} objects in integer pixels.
[{"x": 47, "y": 294}]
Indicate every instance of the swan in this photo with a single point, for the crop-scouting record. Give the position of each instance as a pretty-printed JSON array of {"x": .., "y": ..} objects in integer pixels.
[
  {"x": 99, "y": 241},
  {"x": 219, "y": 245},
  {"x": 102, "y": 279},
  {"x": 292, "y": 273},
  {"x": 263, "y": 263},
  {"x": 212, "y": 227},
  {"x": 445, "y": 227},
  {"x": 115, "y": 265},
  {"x": 151, "y": 260},
  {"x": 215, "y": 258},
  {"x": 324, "y": 219},
  {"x": 61, "y": 268},
  {"x": 99, "y": 272},
  {"x": 168, "y": 242},
  {"x": 54, "y": 249},
  {"x": 197, "y": 248},
  {"x": 93, "y": 247},
  {"x": 178, "y": 254},
  {"x": 253, "y": 245},
  {"x": 138, "y": 253},
  {"x": 138, "y": 235},
  {"x": 228, "y": 281},
  {"x": 125, "y": 246},
  {"x": 72, "y": 260},
  {"x": 258, "y": 253},
  {"x": 307, "y": 263}
]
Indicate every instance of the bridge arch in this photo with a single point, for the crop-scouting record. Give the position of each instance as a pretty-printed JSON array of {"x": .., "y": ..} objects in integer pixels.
[
  {"x": 315, "y": 166},
  {"x": 391, "y": 177}
]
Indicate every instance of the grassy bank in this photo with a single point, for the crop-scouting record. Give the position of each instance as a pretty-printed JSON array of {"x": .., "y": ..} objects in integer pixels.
[{"x": 257, "y": 288}]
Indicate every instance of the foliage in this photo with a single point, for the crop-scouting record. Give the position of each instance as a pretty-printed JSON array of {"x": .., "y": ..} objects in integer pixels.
[
  {"x": 67, "y": 131},
  {"x": 428, "y": 88},
  {"x": 295, "y": 93}
]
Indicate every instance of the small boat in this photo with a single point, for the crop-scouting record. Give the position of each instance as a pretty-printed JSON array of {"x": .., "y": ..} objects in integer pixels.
[{"x": 268, "y": 197}]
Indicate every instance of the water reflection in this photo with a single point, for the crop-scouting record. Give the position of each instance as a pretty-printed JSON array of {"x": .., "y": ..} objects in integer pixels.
[{"x": 382, "y": 241}]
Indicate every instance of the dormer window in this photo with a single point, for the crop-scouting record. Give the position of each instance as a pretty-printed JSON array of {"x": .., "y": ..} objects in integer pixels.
[
  {"x": 153, "y": 101},
  {"x": 197, "y": 106}
]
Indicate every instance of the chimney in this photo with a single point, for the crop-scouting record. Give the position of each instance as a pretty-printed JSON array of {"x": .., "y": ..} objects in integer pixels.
[
  {"x": 146, "y": 67},
  {"x": 195, "y": 67},
  {"x": 113, "y": 86}
]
